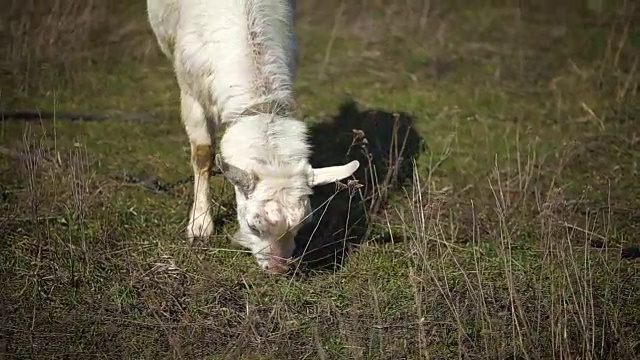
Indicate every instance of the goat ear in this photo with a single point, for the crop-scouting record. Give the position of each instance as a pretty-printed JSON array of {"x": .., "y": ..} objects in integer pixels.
[
  {"x": 238, "y": 177},
  {"x": 331, "y": 174}
]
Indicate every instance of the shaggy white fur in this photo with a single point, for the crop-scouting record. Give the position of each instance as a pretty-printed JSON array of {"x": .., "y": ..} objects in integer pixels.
[{"x": 235, "y": 62}]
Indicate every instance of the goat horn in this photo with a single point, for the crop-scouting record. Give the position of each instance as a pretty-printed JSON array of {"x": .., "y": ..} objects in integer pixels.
[{"x": 238, "y": 177}]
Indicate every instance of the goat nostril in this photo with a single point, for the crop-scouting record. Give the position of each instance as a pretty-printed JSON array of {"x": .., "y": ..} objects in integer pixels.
[{"x": 276, "y": 266}]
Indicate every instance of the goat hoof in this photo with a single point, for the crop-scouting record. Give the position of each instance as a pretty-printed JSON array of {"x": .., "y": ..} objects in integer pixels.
[{"x": 200, "y": 226}]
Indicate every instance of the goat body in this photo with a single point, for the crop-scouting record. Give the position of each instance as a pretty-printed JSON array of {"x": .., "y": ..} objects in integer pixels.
[{"x": 235, "y": 63}]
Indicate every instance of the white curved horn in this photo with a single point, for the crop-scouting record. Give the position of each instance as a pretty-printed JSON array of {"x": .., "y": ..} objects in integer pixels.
[{"x": 331, "y": 174}]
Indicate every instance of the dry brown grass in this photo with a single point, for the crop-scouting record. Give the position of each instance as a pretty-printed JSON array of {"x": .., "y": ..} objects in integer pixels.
[{"x": 41, "y": 40}]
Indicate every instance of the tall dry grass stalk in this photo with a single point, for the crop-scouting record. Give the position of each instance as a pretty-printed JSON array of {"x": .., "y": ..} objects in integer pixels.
[
  {"x": 533, "y": 288},
  {"x": 36, "y": 36}
]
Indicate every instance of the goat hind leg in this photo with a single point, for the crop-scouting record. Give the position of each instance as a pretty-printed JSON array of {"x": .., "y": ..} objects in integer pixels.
[{"x": 195, "y": 123}]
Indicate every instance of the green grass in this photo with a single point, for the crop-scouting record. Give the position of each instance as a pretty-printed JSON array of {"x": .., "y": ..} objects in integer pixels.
[{"x": 504, "y": 243}]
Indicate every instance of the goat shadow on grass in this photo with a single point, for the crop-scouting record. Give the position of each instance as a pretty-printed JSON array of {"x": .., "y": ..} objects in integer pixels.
[{"x": 342, "y": 214}]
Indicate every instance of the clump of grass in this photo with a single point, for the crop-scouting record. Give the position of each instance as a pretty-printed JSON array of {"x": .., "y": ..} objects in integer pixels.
[
  {"x": 529, "y": 289},
  {"x": 41, "y": 34},
  {"x": 44, "y": 42}
]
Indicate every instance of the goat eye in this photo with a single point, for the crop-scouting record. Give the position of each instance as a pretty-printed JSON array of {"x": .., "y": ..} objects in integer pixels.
[{"x": 253, "y": 229}]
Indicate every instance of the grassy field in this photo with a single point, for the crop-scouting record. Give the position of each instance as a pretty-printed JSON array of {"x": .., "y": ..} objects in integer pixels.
[{"x": 506, "y": 227}]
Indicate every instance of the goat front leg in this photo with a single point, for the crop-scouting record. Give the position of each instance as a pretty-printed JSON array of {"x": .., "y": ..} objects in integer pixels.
[{"x": 193, "y": 116}]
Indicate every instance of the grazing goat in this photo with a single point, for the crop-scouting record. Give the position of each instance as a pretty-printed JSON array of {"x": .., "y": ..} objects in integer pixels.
[{"x": 235, "y": 63}]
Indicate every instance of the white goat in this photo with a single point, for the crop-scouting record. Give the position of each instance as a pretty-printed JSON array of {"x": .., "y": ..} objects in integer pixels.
[{"x": 235, "y": 63}]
